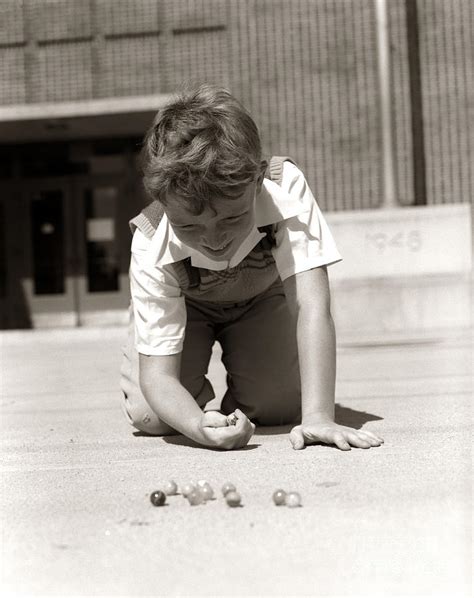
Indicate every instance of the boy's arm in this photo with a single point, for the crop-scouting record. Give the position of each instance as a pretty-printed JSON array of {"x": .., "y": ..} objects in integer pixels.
[
  {"x": 174, "y": 405},
  {"x": 308, "y": 298},
  {"x": 157, "y": 298}
]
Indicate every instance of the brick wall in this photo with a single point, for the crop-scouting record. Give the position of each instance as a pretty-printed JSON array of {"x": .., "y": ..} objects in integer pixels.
[{"x": 305, "y": 68}]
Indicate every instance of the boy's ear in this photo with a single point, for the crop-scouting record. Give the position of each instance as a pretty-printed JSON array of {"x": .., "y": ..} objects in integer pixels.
[{"x": 261, "y": 176}]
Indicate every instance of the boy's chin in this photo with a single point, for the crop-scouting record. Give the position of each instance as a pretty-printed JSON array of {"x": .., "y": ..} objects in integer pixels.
[{"x": 223, "y": 255}]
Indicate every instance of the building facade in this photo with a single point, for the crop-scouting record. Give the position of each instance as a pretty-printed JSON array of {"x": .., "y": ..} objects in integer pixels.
[{"x": 80, "y": 81}]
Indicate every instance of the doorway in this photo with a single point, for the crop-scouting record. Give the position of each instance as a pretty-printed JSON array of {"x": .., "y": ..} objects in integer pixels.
[{"x": 65, "y": 252}]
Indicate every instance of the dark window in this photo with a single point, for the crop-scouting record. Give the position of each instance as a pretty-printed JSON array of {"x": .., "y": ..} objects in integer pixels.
[
  {"x": 6, "y": 162},
  {"x": 48, "y": 242},
  {"x": 48, "y": 159},
  {"x": 107, "y": 147},
  {"x": 100, "y": 238}
]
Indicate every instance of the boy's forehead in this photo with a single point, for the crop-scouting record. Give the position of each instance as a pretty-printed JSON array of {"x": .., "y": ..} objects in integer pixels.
[{"x": 178, "y": 208}]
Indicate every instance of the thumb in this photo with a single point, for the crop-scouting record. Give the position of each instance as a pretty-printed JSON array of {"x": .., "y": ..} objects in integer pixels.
[{"x": 297, "y": 438}]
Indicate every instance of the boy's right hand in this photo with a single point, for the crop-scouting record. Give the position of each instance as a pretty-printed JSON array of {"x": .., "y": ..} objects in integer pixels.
[{"x": 223, "y": 436}]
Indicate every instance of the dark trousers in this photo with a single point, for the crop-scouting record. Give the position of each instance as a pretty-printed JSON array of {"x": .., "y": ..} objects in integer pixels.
[{"x": 259, "y": 352}]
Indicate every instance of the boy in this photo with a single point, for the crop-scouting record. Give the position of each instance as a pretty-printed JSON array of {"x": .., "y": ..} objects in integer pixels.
[{"x": 225, "y": 254}]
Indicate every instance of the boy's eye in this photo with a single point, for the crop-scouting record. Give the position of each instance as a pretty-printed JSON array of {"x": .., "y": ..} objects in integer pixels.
[
  {"x": 233, "y": 218},
  {"x": 189, "y": 227}
]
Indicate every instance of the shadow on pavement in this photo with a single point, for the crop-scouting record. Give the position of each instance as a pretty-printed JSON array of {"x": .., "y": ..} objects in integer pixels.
[
  {"x": 353, "y": 418},
  {"x": 183, "y": 441},
  {"x": 180, "y": 440},
  {"x": 345, "y": 416}
]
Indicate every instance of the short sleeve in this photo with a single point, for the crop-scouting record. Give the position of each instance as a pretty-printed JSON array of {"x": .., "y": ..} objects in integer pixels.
[
  {"x": 158, "y": 305},
  {"x": 303, "y": 241}
]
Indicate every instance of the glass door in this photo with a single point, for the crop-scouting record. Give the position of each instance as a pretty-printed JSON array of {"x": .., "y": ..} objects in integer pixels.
[
  {"x": 64, "y": 252},
  {"x": 49, "y": 283},
  {"x": 103, "y": 249}
]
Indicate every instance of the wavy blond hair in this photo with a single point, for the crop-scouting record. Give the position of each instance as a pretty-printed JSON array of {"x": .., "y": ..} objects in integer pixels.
[{"x": 202, "y": 146}]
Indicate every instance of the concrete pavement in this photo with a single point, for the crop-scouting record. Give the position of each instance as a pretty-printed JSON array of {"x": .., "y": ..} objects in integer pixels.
[{"x": 77, "y": 520}]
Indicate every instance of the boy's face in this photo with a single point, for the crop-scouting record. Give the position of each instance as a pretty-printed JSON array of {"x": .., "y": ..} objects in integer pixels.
[{"x": 221, "y": 228}]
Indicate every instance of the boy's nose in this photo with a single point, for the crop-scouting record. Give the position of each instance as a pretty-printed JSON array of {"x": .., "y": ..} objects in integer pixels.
[
  {"x": 215, "y": 246},
  {"x": 214, "y": 240}
]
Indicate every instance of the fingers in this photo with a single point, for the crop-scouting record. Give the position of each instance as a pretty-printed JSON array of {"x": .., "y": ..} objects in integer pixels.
[
  {"x": 226, "y": 433},
  {"x": 214, "y": 419},
  {"x": 341, "y": 436},
  {"x": 361, "y": 439},
  {"x": 341, "y": 442},
  {"x": 241, "y": 418},
  {"x": 231, "y": 419},
  {"x": 297, "y": 438},
  {"x": 239, "y": 434},
  {"x": 243, "y": 421},
  {"x": 370, "y": 436},
  {"x": 301, "y": 435},
  {"x": 355, "y": 439}
]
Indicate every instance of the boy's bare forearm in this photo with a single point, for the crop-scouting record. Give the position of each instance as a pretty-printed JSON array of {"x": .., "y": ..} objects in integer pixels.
[
  {"x": 317, "y": 357},
  {"x": 177, "y": 408},
  {"x": 174, "y": 405},
  {"x": 309, "y": 302}
]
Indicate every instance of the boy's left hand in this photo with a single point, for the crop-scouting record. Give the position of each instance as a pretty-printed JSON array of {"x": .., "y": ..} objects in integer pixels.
[{"x": 331, "y": 433}]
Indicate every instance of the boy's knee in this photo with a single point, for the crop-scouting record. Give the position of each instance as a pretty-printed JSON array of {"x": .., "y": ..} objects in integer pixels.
[{"x": 144, "y": 419}]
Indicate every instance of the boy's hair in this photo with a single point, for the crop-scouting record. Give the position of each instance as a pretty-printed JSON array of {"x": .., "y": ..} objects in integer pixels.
[{"x": 202, "y": 146}]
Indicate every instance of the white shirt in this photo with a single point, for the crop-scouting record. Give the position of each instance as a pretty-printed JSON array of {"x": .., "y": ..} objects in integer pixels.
[{"x": 303, "y": 241}]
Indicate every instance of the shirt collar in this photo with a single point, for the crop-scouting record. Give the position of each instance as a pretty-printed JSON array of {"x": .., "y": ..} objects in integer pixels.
[{"x": 273, "y": 204}]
